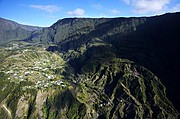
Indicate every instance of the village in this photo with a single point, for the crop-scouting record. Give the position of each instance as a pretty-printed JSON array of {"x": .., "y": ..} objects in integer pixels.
[{"x": 43, "y": 69}]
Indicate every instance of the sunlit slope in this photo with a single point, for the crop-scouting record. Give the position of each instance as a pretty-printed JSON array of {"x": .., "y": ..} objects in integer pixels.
[{"x": 37, "y": 83}]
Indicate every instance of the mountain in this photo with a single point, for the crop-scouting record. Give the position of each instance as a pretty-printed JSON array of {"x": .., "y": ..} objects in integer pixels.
[
  {"x": 10, "y": 30},
  {"x": 152, "y": 42},
  {"x": 93, "y": 68}
]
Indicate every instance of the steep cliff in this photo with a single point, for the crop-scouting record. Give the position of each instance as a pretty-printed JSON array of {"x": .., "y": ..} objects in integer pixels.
[
  {"x": 152, "y": 42},
  {"x": 93, "y": 68}
]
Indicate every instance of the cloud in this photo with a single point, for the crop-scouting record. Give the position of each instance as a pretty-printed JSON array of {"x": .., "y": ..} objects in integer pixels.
[
  {"x": 115, "y": 12},
  {"x": 47, "y": 8},
  {"x": 76, "y": 12},
  {"x": 176, "y": 8},
  {"x": 147, "y": 6},
  {"x": 127, "y": 1},
  {"x": 97, "y": 6}
]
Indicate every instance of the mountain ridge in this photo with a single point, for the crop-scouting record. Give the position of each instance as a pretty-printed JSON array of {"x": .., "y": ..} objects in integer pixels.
[
  {"x": 144, "y": 38},
  {"x": 16, "y": 24},
  {"x": 109, "y": 68},
  {"x": 10, "y": 30}
]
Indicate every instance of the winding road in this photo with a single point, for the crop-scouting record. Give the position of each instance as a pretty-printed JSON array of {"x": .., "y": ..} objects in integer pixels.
[
  {"x": 4, "y": 106},
  {"x": 7, "y": 110}
]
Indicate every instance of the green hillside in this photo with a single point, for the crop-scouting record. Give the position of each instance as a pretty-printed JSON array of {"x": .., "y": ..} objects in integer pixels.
[{"x": 89, "y": 68}]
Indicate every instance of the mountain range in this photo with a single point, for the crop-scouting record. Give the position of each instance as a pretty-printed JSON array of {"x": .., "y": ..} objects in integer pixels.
[{"x": 91, "y": 68}]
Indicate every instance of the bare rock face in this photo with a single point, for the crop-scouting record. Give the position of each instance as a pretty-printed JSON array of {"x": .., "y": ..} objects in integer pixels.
[
  {"x": 22, "y": 107},
  {"x": 40, "y": 100}
]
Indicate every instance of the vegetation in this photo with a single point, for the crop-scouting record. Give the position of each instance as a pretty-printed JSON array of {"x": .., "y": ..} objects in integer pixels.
[{"x": 90, "y": 68}]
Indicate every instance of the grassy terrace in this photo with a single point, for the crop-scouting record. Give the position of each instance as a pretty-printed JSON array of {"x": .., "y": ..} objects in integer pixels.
[{"x": 41, "y": 69}]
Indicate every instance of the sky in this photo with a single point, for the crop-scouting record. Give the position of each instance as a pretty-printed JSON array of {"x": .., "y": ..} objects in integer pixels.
[{"x": 46, "y": 12}]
